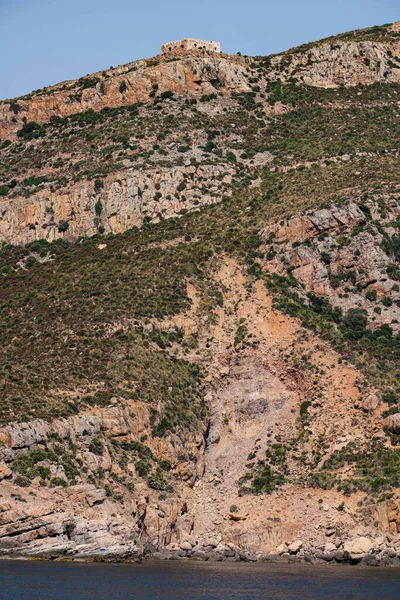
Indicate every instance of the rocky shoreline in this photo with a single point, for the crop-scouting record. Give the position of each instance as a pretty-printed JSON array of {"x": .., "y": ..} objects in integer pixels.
[{"x": 353, "y": 553}]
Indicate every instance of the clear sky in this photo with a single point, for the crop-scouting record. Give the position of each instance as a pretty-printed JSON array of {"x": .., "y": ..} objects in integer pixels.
[{"x": 43, "y": 42}]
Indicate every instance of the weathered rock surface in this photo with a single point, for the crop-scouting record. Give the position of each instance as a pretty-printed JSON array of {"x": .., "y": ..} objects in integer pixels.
[
  {"x": 26, "y": 436},
  {"x": 343, "y": 266},
  {"x": 132, "y": 195},
  {"x": 324, "y": 65},
  {"x": 127, "y": 198},
  {"x": 194, "y": 74},
  {"x": 393, "y": 423},
  {"x": 361, "y": 545},
  {"x": 344, "y": 63}
]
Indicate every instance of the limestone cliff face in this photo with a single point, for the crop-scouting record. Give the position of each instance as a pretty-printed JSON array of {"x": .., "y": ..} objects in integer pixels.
[
  {"x": 86, "y": 517},
  {"x": 324, "y": 65},
  {"x": 348, "y": 265},
  {"x": 193, "y": 74},
  {"x": 123, "y": 201},
  {"x": 344, "y": 63}
]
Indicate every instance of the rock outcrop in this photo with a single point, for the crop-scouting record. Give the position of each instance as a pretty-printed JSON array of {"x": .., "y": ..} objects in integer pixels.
[
  {"x": 190, "y": 75},
  {"x": 335, "y": 254},
  {"x": 126, "y": 198},
  {"x": 344, "y": 63}
]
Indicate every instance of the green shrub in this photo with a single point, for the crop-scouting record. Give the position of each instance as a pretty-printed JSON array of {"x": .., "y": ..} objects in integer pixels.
[
  {"x": 208, "y": 97},
  {"x": 98, "y": 185},
  {"x": 387, "y": 301},
  {"x": 96, "y": 446},
  {"x": 98, "y": 208},
  {"x": 30, "y": 261},
  {"x": 88, "y": 82},
  {"x": 15, "y": 107},
  {"x": 365, "y": 209},
  {"x": 7, "y": 270},
  {"x": 42, "y": 471},
  {"x": 326, "y": 258},
  {"x": 371, "y": 295},
  {"x": 391, "y": 245},
  {"x": 154, "y": 90},
  {"x": 167, "y": 94},
  {"x": 356, "y": 319},
  {"x": 142, "y": 467},
  {"x": 63, "y": 226},
  {"x": 35, "y": 180},
  {"x": 31, "y": 130},
  {"x": 304, "y": 407},
  {"x": 393, "y": 271},
  {"x": 156, "y": 481},
  {"x": 390, "y": 398},
  {"x": 22, "y": 481},
  {"x": 58, "y": 482}
]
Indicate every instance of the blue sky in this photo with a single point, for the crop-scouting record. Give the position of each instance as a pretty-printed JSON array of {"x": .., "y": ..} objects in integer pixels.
[{"x": 43, "y": 42}]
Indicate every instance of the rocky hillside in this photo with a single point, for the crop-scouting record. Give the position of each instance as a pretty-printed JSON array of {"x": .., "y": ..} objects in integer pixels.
[
  {"x": 163, "y": 136},
  {"x": 200, "y": 308}
]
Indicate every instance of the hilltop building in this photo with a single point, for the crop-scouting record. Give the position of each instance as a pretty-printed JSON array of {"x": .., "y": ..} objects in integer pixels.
[{"x": 182, "y": 46}]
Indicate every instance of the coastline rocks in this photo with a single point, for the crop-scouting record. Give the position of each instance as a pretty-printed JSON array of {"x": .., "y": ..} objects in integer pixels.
[
  {"x": 186, "y": 546},
  {"x": 355, "y": 551},
  {"x": 330, "y": 547},
  {"x": 361, "y": 545},
  {"x": 281, "y": 549},
  {"x": 295, "y": 546}
]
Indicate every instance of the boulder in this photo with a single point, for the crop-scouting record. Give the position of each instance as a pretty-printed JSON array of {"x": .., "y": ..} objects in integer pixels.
[
  {"x": 5, "y": 472},
  {"x": 274, "y": 558},
  {"x": 329, "y": 547},
  {"x": 322, "y": 219},
  {"x": 186, "y": 546},
  {"x": 361, "y": 545},
  {"x": 369, "y": 560},
  {"x": 113, "y": 421},
  {"x": 295, "y": 546},
  {"x": 393, "y": 423},
  {"x": 201, "y": 554},
  {"x": 393, "y": 512},
  {"x": 236, "y": 516},
  {"x": 369, "y": 404},
  {"x": 325, "y": 556},
  {"x": 281, "y": 549},
  {"x": 338, "y": 556},
  {"x": 83, "y": 426},
  {"x": 214, "y": 436},
  {"x": 95, "y": 496},
  {"x": 25, "y": 435}
]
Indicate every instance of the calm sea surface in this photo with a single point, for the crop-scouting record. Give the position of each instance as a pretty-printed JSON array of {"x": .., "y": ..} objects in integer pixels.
[{"x": 24, "y": 580}]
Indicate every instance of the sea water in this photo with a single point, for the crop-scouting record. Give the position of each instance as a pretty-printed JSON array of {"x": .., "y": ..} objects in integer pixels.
[{"x": 150, "y": 580}]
